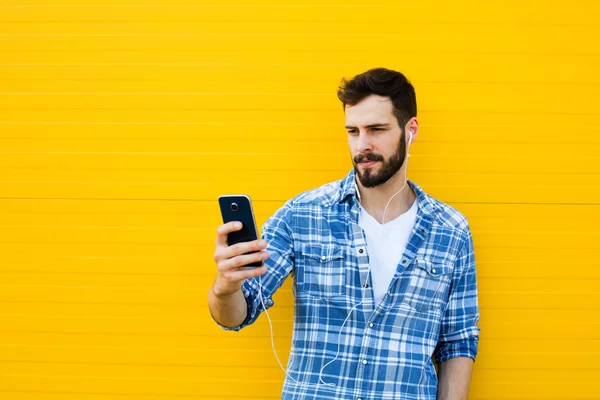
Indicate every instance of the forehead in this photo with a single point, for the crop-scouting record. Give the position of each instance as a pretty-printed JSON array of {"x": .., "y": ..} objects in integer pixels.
[{"x": 371, "y": 110}]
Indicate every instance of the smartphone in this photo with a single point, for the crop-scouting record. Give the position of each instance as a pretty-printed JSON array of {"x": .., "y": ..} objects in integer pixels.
[{"x": 239, "y": 208}]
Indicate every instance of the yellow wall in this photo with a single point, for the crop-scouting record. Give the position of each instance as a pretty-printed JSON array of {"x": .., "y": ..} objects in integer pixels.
[{"x": 121, "y": 125}]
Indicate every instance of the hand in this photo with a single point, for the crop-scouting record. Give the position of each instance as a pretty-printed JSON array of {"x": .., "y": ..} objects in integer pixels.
[{"x": 231, "y": 260}]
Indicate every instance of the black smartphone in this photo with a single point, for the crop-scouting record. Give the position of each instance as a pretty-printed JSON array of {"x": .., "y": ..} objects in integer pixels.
[{"x": 239, "y": 208}]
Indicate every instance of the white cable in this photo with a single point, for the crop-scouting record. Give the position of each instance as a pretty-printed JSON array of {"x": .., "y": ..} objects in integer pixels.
[
  {"x": 363, "y": 292},
  {"x": 349, "y": 313},
  {"x": 405, "y": 180},
  {"x": 273, "y": 338},
  {"x": 340, "y": 333},
  {"x": 271, "y": 329}
]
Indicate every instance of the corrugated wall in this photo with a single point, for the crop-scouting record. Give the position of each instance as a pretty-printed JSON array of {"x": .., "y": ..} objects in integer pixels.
[{"x": 122, "y": 122}]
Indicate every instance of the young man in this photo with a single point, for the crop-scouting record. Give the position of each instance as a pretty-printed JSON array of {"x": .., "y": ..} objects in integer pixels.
[{"x": 383, "y": 274}]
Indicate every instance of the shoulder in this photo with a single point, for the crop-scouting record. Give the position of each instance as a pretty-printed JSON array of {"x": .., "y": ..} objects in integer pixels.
[
  {"x": 323, "y": 195},
  {"x": 450, "y": 238},
  {"x": 450, "y": 217},
  {"x": 308, "y": 202},
  {"x": 447, "y": 219}
]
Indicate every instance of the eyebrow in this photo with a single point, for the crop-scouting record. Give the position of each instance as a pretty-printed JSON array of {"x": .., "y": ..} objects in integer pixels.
[{"x": 381, "y": 125}]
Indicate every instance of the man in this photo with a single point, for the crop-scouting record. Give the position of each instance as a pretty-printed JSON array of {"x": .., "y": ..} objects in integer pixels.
[{"x": 383, "y": 274}]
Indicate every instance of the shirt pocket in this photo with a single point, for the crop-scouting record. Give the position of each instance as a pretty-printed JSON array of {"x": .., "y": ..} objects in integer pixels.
[
  {"x": 324, "y": 270},
  {"x": 428, "y": 285}
]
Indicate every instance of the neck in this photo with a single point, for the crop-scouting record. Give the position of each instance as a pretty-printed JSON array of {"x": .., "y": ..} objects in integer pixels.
[{"x": 374, "y": 200}]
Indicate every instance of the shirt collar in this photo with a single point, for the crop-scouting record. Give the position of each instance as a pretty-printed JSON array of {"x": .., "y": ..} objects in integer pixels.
[{"x": 349, "y": 188}]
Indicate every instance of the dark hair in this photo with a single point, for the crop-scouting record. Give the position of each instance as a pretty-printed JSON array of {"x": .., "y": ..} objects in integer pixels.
[{"x": 382, "y": 82}]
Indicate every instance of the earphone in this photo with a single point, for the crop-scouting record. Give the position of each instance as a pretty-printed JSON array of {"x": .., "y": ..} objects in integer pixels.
[
  {"x": 351, "y": 310},
  {"x": 405, "y": 180}
]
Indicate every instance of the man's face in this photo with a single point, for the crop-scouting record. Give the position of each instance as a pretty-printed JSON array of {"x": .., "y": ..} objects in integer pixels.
[{"x": 377, "y": 143}]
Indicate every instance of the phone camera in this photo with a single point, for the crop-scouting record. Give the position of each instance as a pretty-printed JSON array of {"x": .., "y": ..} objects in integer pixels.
[{"x": 234, "y": 207}]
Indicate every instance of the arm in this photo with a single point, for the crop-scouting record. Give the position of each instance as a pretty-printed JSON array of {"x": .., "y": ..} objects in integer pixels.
[
  {"x": 227, "y": 310},
  {"x": 454, "y": 378},
  {"x": 234, "y": 300},
  {"x": 459, "y": 334},
  {"x": 226, "y": 300}
]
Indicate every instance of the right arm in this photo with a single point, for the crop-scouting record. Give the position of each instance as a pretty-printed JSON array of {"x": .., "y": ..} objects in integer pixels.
[
  {"x": 239, "y": 295},
  {"x": 226, "y": 300}
]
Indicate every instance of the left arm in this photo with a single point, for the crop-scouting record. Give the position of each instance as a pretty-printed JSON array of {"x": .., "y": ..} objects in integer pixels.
[
  {"x": 459, "y": 334},
  {"x": 454, "y": 378}
]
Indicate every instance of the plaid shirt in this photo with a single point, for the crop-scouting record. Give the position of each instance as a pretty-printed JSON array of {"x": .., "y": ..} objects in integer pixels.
[{"x": 387, "y": 350}]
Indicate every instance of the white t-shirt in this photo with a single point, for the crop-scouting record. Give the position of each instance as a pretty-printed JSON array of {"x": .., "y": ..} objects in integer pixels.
[{"x": 385, "y": 246}]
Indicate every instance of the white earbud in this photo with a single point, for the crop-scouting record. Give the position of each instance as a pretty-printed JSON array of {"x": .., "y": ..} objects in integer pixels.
[{"x": 410, "y": 137}]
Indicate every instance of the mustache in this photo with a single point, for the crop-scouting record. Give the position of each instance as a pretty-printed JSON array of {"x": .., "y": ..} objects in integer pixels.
[{"x": 367, "y": 157}]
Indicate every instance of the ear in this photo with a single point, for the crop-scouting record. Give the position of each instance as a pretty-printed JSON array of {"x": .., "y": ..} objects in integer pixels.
[{"x": 412, "y": 126}]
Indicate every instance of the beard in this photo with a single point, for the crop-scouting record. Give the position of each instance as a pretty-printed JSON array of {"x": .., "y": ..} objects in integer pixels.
[{"x": 389, "y": 167}]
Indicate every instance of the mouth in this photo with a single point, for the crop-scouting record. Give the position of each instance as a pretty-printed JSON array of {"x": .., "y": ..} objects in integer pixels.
[{"x": 367, "y": 164}]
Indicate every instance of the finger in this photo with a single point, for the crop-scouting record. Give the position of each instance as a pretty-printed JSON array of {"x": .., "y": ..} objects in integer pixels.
[
  {"x": 236, "y": 276},
  {"x": 235, "y": 263},
  {"x": 243, "y": 248},
  {"x": 224, "y": 230},
  {"x": 224, "y": 253}
]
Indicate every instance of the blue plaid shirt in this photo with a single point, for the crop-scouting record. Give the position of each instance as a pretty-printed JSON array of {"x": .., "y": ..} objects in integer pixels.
[{"x": 387, "y": 350}]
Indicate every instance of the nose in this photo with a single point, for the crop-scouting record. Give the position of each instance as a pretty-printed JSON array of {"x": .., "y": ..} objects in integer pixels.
[{"x": 364, "y": 143}]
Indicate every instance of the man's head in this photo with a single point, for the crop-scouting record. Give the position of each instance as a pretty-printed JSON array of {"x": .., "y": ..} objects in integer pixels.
[{"x": 380, "y": 106}]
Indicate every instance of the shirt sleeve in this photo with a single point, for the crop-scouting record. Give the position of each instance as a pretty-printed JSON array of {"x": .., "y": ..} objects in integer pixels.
[
  {"x": 459, "y": 334},
  {"x": 259, "y": 291}
]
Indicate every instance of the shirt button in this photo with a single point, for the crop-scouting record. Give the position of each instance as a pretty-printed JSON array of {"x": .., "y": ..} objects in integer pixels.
[
  {"x": 359, "y": 398},
  {"x": 403, "y": 261},
  {"x": 371, "y": 325},
  {"x": 389, "y": 292},
  {"x": 366, "y": 285},
  {"x": 433, "y": 270},
  {"x": 323, "y": 258},
  {"x": 365, "y": 362},
  {"x": 361, "y": 251}
]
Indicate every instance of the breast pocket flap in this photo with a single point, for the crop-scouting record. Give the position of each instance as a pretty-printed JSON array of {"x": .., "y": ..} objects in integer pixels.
[{"x": 323, "y": 269}]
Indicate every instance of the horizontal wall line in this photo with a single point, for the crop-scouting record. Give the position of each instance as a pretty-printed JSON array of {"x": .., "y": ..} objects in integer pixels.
[{"x": 276, "y": 201}]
